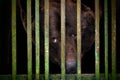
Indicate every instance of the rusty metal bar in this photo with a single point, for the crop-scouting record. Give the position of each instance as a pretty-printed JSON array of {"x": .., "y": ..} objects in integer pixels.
[
  {"x": 97, "y": 40},
  {"x": 29, "y": 40},
  {"x": 46, "y": 23},
  {"x": 113, "y": 18},
  {"x": 106, "y": 37},
  {"x": 79, "y": 39},
  {"x": 63, "y": 39},
  {"x": 37, "y": 39},
  {"x": 14, "y": 49}
]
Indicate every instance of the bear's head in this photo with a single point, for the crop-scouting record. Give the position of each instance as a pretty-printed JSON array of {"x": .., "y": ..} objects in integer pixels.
[{"x": 87, "y": 31}]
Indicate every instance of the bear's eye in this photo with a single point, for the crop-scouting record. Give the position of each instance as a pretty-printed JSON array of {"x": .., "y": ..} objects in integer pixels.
[
  {"x": 74, "y": 35},
  {"x": 54, "y": 40}
]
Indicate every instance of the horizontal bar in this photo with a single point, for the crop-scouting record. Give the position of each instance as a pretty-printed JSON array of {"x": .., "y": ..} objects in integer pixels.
[
  {"x": 63, "y": 39},
  {"x": 14, "y": 45},
  {"x": 58, "y": 76},
  {"x": 37, "y": 39},
  {"x": 29, "y": 40},
  {"x": 46, "y": 24},
  {"x": 97, "y": 40}
]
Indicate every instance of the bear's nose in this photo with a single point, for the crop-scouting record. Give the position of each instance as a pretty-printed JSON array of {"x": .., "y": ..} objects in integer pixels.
[{"x": 71, "y": 67}]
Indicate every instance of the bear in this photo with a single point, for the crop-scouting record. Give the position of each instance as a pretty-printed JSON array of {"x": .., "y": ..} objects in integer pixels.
[{"x": 87, "y": 31}]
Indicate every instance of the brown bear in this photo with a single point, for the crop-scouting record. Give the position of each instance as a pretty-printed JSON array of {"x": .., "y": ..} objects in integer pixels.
[{"x": 87, "y": 28}]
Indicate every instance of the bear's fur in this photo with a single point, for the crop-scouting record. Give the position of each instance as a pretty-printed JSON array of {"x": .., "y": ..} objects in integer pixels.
[{"x": 87, "y": 28}]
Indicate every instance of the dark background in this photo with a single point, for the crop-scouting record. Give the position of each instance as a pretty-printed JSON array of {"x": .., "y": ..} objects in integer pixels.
[{"x": 5, "y": 43}]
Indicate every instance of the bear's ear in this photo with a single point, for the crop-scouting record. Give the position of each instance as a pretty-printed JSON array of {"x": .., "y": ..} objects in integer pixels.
[
  {"x": 41, "y": 5},
  {"x": 101, "y": 12},
  {"x": 23, "y": 15}
]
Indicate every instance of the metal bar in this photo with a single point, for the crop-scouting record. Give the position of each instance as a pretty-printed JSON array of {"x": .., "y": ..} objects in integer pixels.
[
  {"x": 113, "y": 18},
  {"x": 29, "y": 40},
  {"x": 79, "y": 39},
  {"x": 37, "y": 39},
  {"x": 63, "y": 39},
  {"x": 106, "y": 37},
  {"x": 14, "y": 49},
  {"x": 57, "y": 77},
  {"x": 97, "y": 40},
  {"x": 46, "y": 39}
]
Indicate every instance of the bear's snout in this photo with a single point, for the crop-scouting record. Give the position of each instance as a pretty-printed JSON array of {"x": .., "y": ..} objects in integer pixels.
[
  {"x": 71, "y": 67},
  {"x": 70, "y": 56}
]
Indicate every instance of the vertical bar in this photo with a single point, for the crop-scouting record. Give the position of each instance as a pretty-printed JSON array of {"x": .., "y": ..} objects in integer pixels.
[
  {"x": 37, "y": 39},
  {"x": 14, "y": 40},
  {"x": 46, "y": 39},
  {"x": 106, "y": 37},
  {"x": 63, "y": 39},
  {"x": 113, "y": 3},
  {"x": 97, "y": 40},
  {"x": 29, "y": 40},
  {"x": 79, "y": 39}
]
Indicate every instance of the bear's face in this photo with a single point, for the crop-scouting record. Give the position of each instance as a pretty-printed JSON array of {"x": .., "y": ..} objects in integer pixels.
[{"x": 87, "y": 28}]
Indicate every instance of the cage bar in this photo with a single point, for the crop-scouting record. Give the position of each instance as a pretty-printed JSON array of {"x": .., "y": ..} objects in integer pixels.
[
  {"x": 58, "y": 77},
  {"x": 63, "y": 39},
  {"x": 79, "y": 39},
  {"x": 106, "y": 37},
  {"x": 97, "y": 40},
  {"x": 14, "y": 49},
  {"x": 29, "y": 40},
  {"x": 37, "y": 39},
  {"x": 113, "y": 23},
  {"x": 46, "y": 24}
]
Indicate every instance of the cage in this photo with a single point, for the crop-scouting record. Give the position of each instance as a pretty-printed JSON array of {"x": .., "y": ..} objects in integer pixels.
[{"x": 25, "y": 45}]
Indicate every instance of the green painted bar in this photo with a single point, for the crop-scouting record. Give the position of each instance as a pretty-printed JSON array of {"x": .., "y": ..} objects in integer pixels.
[
  {"x": 106, "y": 37},
  {"x": 97, "y": 40},
  {"x": 14, "y": 64},
  {"x": 46, "y": 39},
  {"x": 37, "y": 39},
  {"x": 58, "y": 76},
  {"x": 63, "y": 39},
  {"x": 79, "y": 39},
  {"x": 29, "y": 40},
  {"x": 113, "y": 18}
]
